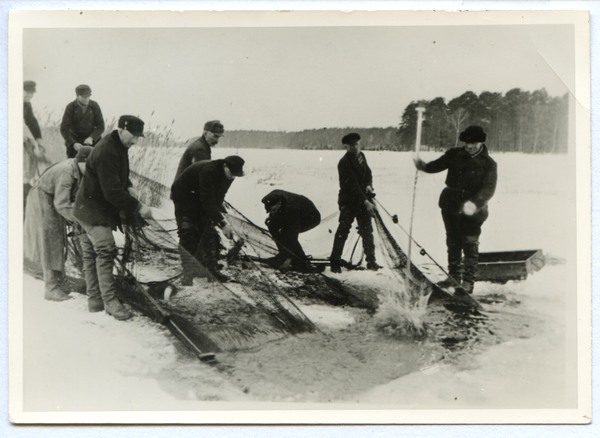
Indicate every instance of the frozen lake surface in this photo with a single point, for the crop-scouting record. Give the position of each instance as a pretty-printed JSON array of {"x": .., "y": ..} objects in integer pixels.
[{"x": 77, "y": 361}]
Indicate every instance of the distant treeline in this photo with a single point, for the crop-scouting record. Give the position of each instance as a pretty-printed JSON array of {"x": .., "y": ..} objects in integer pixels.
[
  {"x": 326, "y": 138},
  {"x": 517, "y": 121}
]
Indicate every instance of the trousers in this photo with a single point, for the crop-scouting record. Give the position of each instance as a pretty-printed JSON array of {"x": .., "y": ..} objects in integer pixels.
[
  {"x": 365, "y": 228},
  {"x": 99, "y": 253}
]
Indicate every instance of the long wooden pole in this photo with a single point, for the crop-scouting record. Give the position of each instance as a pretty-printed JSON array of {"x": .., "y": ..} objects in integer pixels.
[{"x": 420, "y": 111}]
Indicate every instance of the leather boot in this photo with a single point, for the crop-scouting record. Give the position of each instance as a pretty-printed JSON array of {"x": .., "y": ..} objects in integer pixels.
[
  {"x": 95, "y": 304},
  {"x": 117, "y": 310},
  {"x": 373, "y": 266},
  {"x": 471, "y": 249},
  {"x": 52, "y": 290}
]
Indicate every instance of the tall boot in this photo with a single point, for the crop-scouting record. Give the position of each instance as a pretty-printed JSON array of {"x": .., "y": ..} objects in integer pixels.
[
  {"x": 471, "y": 250},
  {"x": 52, "y": 290},
  {"x": 336, "y": 253},
  {"x": 454, "y": 263}
]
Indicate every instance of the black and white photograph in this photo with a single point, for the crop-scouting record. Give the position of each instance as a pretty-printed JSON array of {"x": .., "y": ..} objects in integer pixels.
[{"x": 326, "y": 217}]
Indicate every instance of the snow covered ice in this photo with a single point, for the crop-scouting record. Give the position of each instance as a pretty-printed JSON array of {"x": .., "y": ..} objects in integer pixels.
[{"x": 77, "y": 361}]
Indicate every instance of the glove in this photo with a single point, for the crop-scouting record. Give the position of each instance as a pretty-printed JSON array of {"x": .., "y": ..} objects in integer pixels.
[
  {"x": 145, "y": 212},
  {"x": 469, "y": 208},
  {"x": 371, "y": 209},
  {"x": 419, "y": 164},
  {"x": 228, "y": 231}
]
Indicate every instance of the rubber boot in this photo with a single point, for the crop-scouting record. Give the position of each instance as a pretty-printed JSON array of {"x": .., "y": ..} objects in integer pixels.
[
  {"x": 114, "y": 308},
  {"x": 454, "y": 262},
  {"x": 95, "y": 304},
  {"x": 336, "y": 253},
  {"x": 471, "y": 250},
  {"x": 52, "y": 290}
]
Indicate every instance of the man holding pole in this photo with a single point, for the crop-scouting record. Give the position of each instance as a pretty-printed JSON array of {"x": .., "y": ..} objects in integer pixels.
[{"x": 470, "y": 184}]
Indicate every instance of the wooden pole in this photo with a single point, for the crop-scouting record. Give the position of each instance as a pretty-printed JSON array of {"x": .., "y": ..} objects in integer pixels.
[{"x": 420, "y": 111}]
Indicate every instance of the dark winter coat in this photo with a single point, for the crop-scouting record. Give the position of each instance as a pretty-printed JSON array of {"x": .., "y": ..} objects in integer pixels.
[
  {"x": 31, "y": 121},
  {"x": 103, "y": 193},
  {"x": 197, "y": 149},
  {"x": 469, "y": 178},
  {"x": 77, "y": 125},
  {"x": 297, "y": 213},
  {"x": 354, "y": 180},
  {"x": 200, "y": 190}
]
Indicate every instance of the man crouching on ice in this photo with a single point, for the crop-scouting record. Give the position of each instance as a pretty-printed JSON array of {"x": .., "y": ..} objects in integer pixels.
[
  {"x": 289, "y": 215},
  {"x": 470, "y": 184}
]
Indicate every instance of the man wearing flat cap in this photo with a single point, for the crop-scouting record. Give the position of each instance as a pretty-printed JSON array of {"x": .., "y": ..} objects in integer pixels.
[
  {"x": 289, "y": 215},
  {"x": 82, "y": 123},
  {"x": 199, "y": 148},
  {"x": 198, "y": 195},
  {"x": 470, "y": 184},
  {"x": 104, "y": 202},
  {"x": 33, "y": 144},
  {"x": 355, "y": 202}
]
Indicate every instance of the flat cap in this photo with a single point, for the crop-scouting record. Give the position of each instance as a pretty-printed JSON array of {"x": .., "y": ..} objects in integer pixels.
[
  {"x": 29, "y": 86},
  {"x": 133, "y": 124},
  {"x": 214, "y": 126},
  {"x": 83, "y": 90},
  {"x": 83, "y": 153},
  {"x": 351, "y": 138},
  {"x": 235, "y": 163}
]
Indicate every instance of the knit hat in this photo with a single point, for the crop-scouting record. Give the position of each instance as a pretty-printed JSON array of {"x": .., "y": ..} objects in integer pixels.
[
  {"x": 133, "y": 124},
  {"x": 83, "y": 154},
  {"x": 235, "y": 163},
  {"x": 83, "y": 90},
  {"x": 473, "y": 134},
  {"x": 29, "y": 86},
  {"x": 214, "y": 126},
  {"x": 350, "y": 138}
]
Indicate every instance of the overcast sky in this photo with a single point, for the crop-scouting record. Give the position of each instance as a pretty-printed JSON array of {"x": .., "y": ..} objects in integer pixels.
[{"x": 290, "y": 78}]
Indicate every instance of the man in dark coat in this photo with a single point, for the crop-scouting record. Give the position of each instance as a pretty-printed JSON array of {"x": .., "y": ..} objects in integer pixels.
[
  {"x": 104, "y": 200},
  {"x": 199, "y": 148},
  {"x": 354, "y": 200},
  {"x": 470, "y": 184},
  {"x": 198, "y": 195},
  {"x": 289, "y": 215},
  {"x": 33, "y": 145},
  {"x": 82, "y": 122}
]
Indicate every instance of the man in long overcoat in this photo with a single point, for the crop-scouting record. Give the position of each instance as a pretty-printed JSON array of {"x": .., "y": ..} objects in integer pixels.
[
  {"x": 49, "y": 209},
  {"x": 82, "y": 123},
  {"x": 105, "y": 196},
  {"x": 355, "y": 202},
  {"x": 289, "y": 215},
  {"x": 470, "y": 184},
  {"x": 198, "y": 195},
  {"x": 199, "y": 148}
]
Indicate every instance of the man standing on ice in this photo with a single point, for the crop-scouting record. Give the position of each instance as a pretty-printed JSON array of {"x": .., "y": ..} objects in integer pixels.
[
  {"x": 470, "y": 184},
  {"x": 82, "y": 123},
  {"x": 289, "y": 215},
  {"x": 199, "y": 148},
  {"x": 104, "y": 200},
  {"x": 198, "y": 195},
  {"x": 33, "y": 145},
  {"x": 354, "y": 200}
]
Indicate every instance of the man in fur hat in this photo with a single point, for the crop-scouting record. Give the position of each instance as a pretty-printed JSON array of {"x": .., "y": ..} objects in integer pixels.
[{"x": 470, "y": 184}]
